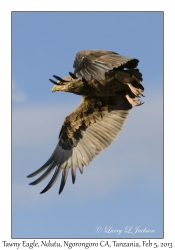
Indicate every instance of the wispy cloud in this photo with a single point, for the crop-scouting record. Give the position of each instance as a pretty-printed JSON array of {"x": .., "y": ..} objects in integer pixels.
[{"x": 17, "y": 95}]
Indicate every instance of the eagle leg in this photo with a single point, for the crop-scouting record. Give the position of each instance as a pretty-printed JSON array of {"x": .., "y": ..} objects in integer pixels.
[
  {"x": 133, "y": 101},
  {"x": 136, "y": 91}
]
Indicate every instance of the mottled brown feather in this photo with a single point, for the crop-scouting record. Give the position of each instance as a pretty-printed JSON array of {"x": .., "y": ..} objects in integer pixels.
[{"x": 103, "y": 78}]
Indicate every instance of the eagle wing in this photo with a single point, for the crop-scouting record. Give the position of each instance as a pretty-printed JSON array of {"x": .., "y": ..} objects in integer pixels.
[
  {"x": 95, "y": 63},
  {"x": 86, "y": 132}
]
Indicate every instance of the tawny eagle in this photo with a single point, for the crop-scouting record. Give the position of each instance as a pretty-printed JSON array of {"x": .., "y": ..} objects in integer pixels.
[{"x": 110, "y": 84}]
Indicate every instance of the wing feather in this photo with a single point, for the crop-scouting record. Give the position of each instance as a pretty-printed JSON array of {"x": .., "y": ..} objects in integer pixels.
[
  {"x": 97, "y": 129},
  {"x": 53, "y": 180},
  {"x": 79, "y": 159},
  {"x": 95, "y": 63},
  {"x": 96, "y": 142},
  {"x": 64, "y": 178}
]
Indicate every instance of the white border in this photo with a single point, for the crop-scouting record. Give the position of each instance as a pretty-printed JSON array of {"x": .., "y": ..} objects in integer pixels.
[{"x": 5, "y": 96}]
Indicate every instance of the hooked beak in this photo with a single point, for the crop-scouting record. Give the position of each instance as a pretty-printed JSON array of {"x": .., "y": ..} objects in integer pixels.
[
  {"x": 59, "y": 85},
  {"x": 58, "y": 88}
]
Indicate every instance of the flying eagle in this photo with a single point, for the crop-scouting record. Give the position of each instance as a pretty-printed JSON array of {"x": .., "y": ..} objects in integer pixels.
[{"x": 110, "y": 84}]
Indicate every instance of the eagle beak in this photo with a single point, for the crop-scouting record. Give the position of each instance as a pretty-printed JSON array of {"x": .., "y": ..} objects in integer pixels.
[
  {"x": 57, "y": 88},
  {"x": 59, "y": 85}
]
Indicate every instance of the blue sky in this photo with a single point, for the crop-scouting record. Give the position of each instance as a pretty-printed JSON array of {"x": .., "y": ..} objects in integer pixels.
[{"x": 123, "y": 186}]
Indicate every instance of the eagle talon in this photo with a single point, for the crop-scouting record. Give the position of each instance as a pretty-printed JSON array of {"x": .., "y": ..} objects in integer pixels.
[
  {"x": 133, "y": 101},
  {"x": 137, "y": 92}
]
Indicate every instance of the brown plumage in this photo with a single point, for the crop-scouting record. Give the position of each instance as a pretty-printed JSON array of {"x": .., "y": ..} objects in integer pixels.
[{"x": 110, "y": 84}]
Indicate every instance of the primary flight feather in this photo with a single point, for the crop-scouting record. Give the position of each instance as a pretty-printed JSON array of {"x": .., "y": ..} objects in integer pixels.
[{"x": 110, "y": 85}]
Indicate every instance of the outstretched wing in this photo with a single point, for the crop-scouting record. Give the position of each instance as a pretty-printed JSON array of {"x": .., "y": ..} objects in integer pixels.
[
  {"x": 95, "y": 63},
  {"x": 86, "y": 132}
]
